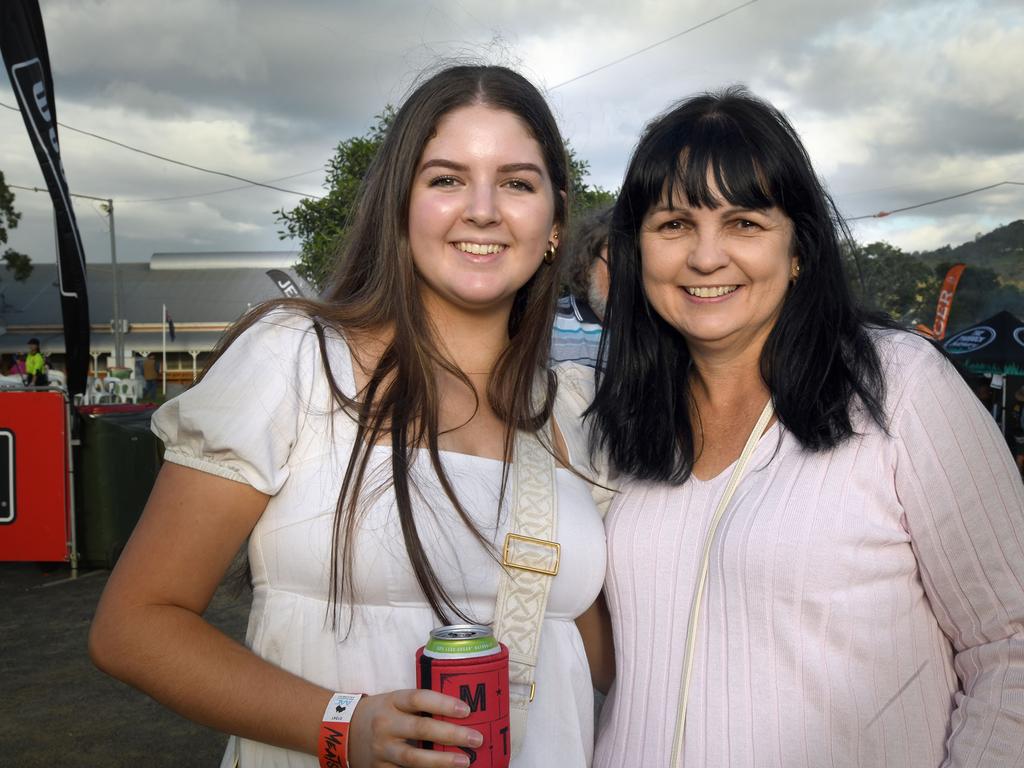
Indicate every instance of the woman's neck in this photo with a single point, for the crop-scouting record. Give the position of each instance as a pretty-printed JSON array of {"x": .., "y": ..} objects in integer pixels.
[
  {"x": 724, "y": 380},
  {"x": 471, "y": 341}
]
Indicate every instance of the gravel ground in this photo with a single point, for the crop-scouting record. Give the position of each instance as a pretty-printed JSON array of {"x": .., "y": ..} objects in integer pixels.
[{"x": 56, "y": 709}]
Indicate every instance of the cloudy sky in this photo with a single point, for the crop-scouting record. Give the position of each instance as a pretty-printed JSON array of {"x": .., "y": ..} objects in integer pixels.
[{"x": 899, "y": 101}]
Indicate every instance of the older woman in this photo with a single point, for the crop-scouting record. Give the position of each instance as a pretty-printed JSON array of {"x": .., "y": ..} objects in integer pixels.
[{"x": 818, "y": 556}]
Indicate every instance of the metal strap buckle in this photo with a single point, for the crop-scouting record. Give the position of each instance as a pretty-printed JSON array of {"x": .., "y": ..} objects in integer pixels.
[{"x": 512, "y": 538}]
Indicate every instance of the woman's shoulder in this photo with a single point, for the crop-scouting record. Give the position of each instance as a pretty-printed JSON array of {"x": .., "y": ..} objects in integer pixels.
[
  {"x": 291, "y": 336},
  {"x": 903, "y": 353},
  {"x": 909, "y": 361},
  {"x": 280, "y": 326},
  {"x": 889, "y": 341},
  {"x": 575, "y": 383}
]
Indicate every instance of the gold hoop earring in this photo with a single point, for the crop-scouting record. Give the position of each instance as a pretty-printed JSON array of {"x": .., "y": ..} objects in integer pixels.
[
  {"x": 795, "y": 273},
  {"x": 549, "y": 254}
]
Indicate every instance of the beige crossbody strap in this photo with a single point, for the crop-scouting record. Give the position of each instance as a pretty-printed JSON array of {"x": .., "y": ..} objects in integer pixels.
[
  {"x": 530, "y": 558},
  {"x": 698, "y": 595}
]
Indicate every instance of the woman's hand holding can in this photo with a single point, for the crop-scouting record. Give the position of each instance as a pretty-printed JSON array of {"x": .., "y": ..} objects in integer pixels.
[{"x": 384, "y": 725}]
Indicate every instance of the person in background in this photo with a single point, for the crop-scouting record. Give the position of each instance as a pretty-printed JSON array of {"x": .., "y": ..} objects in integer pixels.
[
  {"x": 364, "y": 445},
  {"x": 35, "y": 365},
  {"x": 1015, "y": 427},
  {"x": 151, "y": 375},
  {"x": 987, "y": 397},
  {"x": 816, "y": 557},
  {"x": 576, "y": 333}
]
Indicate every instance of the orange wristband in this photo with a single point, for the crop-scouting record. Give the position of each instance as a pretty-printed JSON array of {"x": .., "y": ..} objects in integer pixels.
[{"x": 333, "y": 742}]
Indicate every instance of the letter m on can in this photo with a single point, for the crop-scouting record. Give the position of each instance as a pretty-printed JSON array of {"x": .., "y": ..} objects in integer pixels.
[{"x": 478, "y": 700}]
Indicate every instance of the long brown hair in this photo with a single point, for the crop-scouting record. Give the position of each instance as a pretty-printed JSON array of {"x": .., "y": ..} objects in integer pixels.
[{"x": 374, "y": 285}]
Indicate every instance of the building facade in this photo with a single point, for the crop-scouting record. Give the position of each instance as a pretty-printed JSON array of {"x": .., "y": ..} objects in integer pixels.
[{"x": 204, "y": 293}]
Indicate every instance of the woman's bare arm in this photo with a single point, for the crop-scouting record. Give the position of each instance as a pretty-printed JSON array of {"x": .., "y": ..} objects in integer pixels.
[{"x": 149, "y": 632}]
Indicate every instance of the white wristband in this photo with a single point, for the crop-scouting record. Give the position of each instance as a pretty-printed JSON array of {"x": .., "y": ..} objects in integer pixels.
[{"x": 333, "y": 742}]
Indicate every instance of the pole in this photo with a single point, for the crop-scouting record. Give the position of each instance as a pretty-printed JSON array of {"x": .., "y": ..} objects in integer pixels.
[
  {"x": 72, "y": 523},
  {"x": 118, "y": 335},
  {"x": 1002, "y": 416},
  {"x": 163, "y": 336}
]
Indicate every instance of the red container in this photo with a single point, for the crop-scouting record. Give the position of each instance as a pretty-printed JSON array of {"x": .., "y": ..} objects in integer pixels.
[
  {"x": 104, "y": 408},
  {"x": 481, "y": 682},
  {"x": 34, "y": 500}
]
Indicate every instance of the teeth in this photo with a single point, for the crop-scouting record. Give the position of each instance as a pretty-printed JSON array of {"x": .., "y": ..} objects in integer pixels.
[
  {"x": 710, "y": 293},
  {"x": 479, "y": 249}
]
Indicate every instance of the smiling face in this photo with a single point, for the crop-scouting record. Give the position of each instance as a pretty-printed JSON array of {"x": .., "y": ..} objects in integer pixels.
[
  {"x": 481, "y": 211},
  {"x": 720, "y": 275}
]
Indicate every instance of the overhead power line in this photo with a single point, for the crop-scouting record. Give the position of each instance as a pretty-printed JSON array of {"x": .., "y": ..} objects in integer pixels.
[
  {"x": 215, "y": 191},
  {"x": 654, "y": 45},
  {"x": 172, "y": 160},
  {"x": 175, "y": 197},
  {"x": 883, "y": 214},
  {"x": 252, "y": 182}
]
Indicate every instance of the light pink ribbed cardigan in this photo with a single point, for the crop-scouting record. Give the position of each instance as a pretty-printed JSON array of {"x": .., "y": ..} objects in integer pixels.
[{"x": 847, "y": 592}]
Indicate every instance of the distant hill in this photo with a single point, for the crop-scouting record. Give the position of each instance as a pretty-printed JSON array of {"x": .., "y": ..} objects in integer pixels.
[{"x": 1001, "y": 250}]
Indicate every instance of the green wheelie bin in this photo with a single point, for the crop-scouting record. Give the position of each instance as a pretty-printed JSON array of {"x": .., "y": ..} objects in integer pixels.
[{"x": 118, "y": 461}]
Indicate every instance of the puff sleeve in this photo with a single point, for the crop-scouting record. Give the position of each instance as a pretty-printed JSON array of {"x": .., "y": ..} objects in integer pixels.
[{"x": 241, "y": 421}]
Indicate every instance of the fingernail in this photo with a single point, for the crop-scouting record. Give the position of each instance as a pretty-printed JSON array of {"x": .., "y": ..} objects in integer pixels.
[
  {"x": 475, "y": 739},
  {"x": 462, "y": 761},
  {"x": 462, "y": 710}
]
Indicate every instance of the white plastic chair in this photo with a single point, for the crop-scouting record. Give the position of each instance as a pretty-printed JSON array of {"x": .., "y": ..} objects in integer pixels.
[
  {"x": 125, "y": 390},
  {"x": 100, "y": 391}
]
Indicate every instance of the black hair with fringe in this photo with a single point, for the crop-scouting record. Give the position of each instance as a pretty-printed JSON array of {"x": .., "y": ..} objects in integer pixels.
[{"x": 818, "y": 362}]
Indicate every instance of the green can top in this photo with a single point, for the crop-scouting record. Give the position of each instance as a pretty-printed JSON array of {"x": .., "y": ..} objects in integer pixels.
[{"x": 461, "y": 641}]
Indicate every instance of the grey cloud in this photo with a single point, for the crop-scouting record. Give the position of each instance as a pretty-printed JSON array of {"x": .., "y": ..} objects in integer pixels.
[
  {"x": 300, "y": 76},
  {"x": 949, "y": 127}
]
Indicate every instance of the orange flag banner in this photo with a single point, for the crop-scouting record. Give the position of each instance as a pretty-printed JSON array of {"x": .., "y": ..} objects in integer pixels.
[{"x": 945, "y": 302}]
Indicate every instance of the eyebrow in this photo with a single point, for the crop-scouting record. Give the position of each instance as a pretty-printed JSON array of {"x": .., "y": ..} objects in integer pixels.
[
  {"x": 724, "y": 210},
  {"x": 517, "y": 167},
  {"x": 508, "y": 168},
  {"x": 661, "y": 208}
]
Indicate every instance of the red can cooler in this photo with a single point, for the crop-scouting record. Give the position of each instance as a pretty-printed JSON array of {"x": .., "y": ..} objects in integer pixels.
[{"x": 467, "y": 662}]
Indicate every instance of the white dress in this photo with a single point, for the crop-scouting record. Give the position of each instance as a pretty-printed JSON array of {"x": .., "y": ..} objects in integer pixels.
[{"x": 262, "y": 415}]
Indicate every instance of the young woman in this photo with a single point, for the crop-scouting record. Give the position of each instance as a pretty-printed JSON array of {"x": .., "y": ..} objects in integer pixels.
[
  {"x": 857, "y": 600},
  {"x": 361, "y": 445}
]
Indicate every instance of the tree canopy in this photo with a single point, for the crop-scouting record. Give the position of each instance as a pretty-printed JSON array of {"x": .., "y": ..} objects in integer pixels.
[
  {"x": 17, "y": 263},
  {"x": 886, "y": 279},
  {"x": 906, "y": 287},
  {"x": 320, "y": 225}
]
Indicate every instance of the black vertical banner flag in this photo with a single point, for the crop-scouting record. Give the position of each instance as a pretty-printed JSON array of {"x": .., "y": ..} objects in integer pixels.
[
  {"x": 285, "y": 284},
  {"x": 23, "y": 45}
]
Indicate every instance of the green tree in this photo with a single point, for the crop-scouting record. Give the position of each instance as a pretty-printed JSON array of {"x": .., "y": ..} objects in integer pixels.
[
  {"x": 321, "y": 225},
  {"x": 982, "y": 292},
  {"x": 885, "y": 278},
  {"x": 18, "y": 263},
  {"x": 584, "y": 196}
]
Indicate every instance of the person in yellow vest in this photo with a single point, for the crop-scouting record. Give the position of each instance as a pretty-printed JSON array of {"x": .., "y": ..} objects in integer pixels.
[{"x": 35, "y": 365}]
